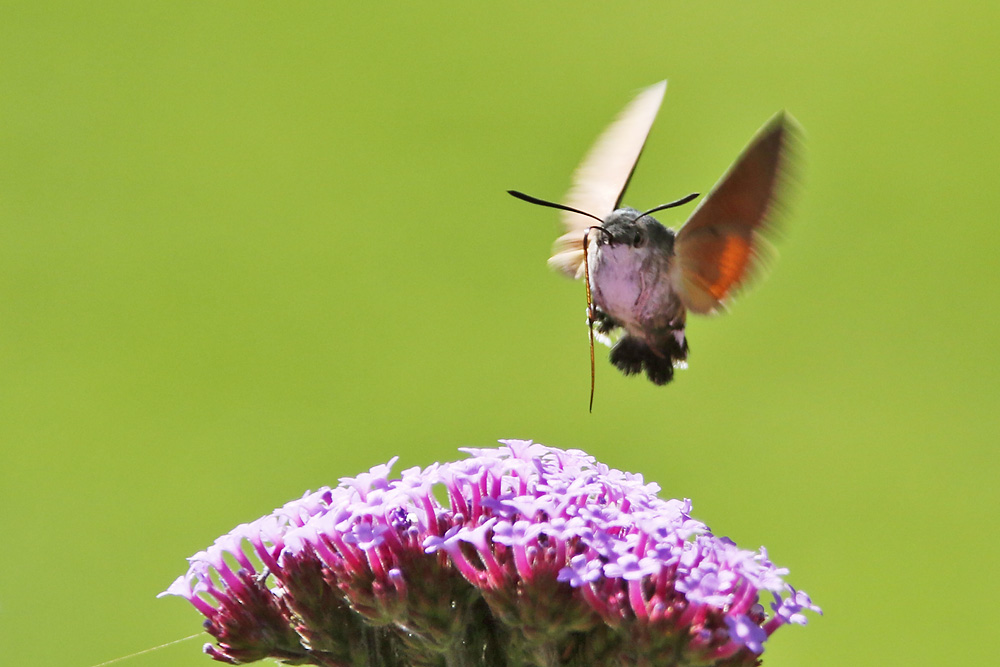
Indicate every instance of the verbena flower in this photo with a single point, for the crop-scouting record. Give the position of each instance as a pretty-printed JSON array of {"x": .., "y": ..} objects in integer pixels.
[{"x": 539, "y": 556}]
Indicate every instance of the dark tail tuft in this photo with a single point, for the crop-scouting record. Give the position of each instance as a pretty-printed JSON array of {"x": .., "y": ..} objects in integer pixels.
[{"x": 632, "y": 355}]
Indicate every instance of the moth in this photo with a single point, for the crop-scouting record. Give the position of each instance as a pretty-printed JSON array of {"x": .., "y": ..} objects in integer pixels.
[{"x": 642, "y": 278}]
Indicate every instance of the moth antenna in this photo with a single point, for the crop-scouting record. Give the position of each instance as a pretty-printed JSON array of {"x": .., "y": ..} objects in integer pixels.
[
  {"x": 542, "y": 202},
  {"x": 679, "y": 202}
]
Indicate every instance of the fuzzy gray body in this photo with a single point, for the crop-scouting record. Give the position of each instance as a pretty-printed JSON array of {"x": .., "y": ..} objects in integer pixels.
[{"x": 630, "y": 266}]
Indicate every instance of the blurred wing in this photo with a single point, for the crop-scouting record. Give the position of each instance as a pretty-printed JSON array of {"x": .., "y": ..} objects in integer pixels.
[
  {"x": 600, "y": 181},
  {"x": 720, "y": 245}
]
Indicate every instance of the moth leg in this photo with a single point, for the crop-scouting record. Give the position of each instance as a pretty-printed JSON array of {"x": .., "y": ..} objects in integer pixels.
[
  {"x": 673, "y": 344},
  {"x": 604, "y": 323}
]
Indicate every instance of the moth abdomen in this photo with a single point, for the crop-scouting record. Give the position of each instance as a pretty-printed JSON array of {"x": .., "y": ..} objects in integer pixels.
[{"x": 632, "y": 355}]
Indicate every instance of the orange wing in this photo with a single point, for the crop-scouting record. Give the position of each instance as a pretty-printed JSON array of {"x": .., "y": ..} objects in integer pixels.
[
  {"x": 600, "y": 181},
  {"x": 720, "y": 245}
]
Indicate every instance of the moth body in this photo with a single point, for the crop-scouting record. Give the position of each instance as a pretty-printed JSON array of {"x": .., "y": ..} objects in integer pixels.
[{"x": 631, "y": 288}]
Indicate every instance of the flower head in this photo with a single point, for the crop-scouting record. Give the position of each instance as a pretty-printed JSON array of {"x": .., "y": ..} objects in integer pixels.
[{"x": 541, "y": 555}]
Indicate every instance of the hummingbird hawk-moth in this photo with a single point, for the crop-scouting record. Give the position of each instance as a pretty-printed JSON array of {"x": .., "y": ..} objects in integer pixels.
[{"x": 641, "y": 277}]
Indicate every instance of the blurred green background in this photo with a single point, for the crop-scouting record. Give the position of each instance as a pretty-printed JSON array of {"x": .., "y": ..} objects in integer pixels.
[{"x": 248, "y": 248}]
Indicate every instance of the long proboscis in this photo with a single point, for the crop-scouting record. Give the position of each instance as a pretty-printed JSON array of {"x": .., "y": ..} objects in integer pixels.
[
  {"x": 590, "y": 315},
  {"x": 590, "y": 306}
]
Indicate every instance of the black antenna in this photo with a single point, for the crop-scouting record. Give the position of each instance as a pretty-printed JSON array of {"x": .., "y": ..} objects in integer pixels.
[
  {"x": 679, "y": 202},
  {"x": 561, "y": 207}
]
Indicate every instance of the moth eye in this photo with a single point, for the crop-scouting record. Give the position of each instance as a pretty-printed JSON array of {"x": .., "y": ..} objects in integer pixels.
[{"x": 637, "y": 239}]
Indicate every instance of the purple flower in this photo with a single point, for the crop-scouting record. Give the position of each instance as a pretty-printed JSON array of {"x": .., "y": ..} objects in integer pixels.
[{"x": 540, "y": 555}]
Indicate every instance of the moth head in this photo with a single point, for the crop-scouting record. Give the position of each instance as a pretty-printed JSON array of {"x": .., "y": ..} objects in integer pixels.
[{"x": 627, "y": 226}]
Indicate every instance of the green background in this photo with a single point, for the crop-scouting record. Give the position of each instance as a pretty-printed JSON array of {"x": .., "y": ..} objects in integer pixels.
[{"x": 248, "y": 248}]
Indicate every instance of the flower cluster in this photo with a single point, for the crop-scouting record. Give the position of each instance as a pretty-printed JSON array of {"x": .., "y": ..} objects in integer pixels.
[{"x": 532, "y": 556}]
